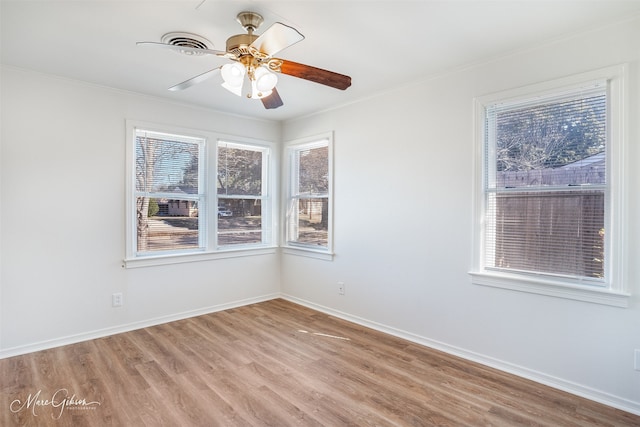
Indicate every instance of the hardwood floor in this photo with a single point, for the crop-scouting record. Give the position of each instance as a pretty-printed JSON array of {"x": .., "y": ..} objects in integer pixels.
[{"x": 277, "y": 364}]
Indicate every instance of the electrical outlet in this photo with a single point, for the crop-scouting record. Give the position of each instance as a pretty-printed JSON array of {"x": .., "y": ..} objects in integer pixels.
[
  {"x": 116, "y": 300},
  {"x": 636, "y": 360},
  {"x": 341, "y": 288}
]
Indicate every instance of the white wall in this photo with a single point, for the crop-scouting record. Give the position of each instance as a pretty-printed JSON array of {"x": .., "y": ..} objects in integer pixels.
[
  {"x": 403, "y": 228},
  {"x": 62, "y": 217}
]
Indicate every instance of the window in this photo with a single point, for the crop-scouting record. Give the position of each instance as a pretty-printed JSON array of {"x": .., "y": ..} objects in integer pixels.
[
  {"x": 242, "y": 194},
  {"x": 189, "y": 199},
  {"x": 309, "y": 189},
  {"x": 549, "y": 202},
  {"x": 167, "y": 172}
]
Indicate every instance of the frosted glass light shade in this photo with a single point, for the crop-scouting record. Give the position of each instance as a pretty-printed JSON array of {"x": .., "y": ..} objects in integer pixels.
[
  {"x": 236, "y": 90},
  {"x": 265, "y": 80},
  {"x": 259, "y": 94},
  {"x": 233, "y": 74}
]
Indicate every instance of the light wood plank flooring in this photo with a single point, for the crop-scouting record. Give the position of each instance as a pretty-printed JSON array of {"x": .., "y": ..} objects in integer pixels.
[{"x": 274, "y": 364}]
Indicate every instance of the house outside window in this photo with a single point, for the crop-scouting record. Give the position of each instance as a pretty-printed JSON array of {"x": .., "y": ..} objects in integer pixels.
[
  {"x": 191, "y": 196},
  {"x": 309, "y": 194},
  {"x": 549, "y": 193}
]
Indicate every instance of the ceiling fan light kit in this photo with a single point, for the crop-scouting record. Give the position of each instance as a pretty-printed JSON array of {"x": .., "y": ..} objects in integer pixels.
[
  {"x": 253, "y": 60},
  {"x": 261, "y": 80}
]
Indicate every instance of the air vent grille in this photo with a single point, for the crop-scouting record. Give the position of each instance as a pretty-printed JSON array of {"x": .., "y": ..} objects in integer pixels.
[{"x": 189, "y": 40}]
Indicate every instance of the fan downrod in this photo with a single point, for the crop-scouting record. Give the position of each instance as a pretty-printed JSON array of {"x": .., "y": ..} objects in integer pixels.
[{"x": 250, "y": 21}]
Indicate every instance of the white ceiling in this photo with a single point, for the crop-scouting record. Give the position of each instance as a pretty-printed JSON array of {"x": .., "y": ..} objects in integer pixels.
[{"x": 380, "y": 44}]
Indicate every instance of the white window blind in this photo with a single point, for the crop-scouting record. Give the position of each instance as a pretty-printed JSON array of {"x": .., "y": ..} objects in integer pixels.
[
  {"x": 168, "y": 192},
  {"x": 546, "y": 185}
]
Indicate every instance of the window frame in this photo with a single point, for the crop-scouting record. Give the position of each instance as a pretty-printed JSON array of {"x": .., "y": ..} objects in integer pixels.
[
  {"x": 209, "y": 224},
  {"x": 613, "y": 292},
  {"x": 290, "y": 148}
]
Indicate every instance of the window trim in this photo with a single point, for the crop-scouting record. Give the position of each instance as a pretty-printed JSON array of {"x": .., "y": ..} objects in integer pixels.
[
  {"x": 302, "y": 249},
  {"x": 211, "y": 251},
  {"x": 614, "y": 291}
]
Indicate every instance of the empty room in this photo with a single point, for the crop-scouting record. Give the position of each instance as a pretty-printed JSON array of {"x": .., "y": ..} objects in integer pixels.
[{"x": 319, "y": 213}]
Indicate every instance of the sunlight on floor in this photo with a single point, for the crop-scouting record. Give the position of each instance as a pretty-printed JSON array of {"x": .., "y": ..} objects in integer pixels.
[{"x": 323, "y": 335}]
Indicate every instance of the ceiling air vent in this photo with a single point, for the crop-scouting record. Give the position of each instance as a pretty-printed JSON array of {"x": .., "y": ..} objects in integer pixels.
[{"x": 187, "y": 40}]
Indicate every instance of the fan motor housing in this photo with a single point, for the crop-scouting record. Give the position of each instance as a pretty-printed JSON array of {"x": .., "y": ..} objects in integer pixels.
[{"x": 239, "y": 44}]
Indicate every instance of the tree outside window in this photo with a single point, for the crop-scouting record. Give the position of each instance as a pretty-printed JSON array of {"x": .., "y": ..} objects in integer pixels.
[
  {"x": 308, "y": 210},
  {"x": 242, "y": 195},
  {"x": 194, "y": 195}
]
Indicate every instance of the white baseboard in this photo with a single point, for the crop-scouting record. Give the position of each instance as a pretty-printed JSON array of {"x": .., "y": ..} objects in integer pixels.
[
  {"x": 72, "y": 339},
  {"x": 542, "y": 378}
]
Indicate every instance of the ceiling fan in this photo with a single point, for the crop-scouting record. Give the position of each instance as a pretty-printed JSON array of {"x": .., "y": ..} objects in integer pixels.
[{"x": 252, "y": 61}]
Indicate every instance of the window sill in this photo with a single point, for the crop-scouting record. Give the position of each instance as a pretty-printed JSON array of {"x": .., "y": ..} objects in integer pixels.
[
  {"x": 308, "y": 252},
  {"x": 194, "y": 257},
  {"x": 552, "y": 288}
]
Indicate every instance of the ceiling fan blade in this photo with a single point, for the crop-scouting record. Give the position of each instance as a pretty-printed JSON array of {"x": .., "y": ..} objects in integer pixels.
[
  {"x": 317, "y": 75},
  {"x": 276, "y": 38},
  {"x": 194, "y": 80},
  {"x": 185, "y": 49},
  {"x": 273, "y": 100}
]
